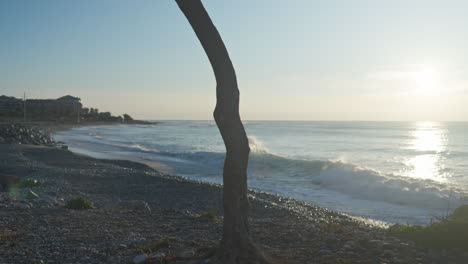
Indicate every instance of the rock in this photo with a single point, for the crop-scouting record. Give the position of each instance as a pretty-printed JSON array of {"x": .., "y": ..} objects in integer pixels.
[
  {"x": 139, "y": 259},
  {"x": 347, "y": 247},
  {"x": 388, "y": 253},
  {"x": 22, "y": 206},
  {"x": 24, "y": 134},
  {"x": 185, "y": 253},
  {"x": 60, "y": 201},
  {"x": 324, "y": 251},
  {"x": 157, "y": 257},
  {"x": 386, "y": 245}
]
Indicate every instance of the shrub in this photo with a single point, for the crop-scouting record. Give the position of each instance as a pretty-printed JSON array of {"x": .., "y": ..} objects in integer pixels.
[
  {"x": 460, "y": 213},
  {"x": 79, "y": 204},
  {"x": 27, "y": 183},
  {"x": 211, "y": 214},
  {"x": 165, "y": 242},
  {"x": 150, "y": 247},
  {"x": 451, "y": 232}
]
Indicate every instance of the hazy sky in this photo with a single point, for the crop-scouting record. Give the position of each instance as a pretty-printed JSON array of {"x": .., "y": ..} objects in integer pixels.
[{"x": 297, "y": 59}]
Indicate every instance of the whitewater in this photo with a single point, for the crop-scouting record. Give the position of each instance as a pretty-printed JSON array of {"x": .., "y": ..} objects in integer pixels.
[{"x": 396, "y": 172}]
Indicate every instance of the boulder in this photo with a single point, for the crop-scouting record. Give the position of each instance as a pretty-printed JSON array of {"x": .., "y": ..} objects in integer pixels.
[
  {"x": 25, "y": 134},
  {"x": 184, "y": 253},
  {"x": 140, "y": 259}
]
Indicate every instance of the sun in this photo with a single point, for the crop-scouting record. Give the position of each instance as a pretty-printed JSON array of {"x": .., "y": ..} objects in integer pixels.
[{"x": 426, "y": 77}]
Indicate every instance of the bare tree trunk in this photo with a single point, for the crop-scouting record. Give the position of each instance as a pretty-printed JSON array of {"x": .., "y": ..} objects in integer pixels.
[{"x": 236, "y": 245}]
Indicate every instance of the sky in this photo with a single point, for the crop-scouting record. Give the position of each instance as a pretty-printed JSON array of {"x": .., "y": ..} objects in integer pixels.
[{"x": 295, "y": 60}]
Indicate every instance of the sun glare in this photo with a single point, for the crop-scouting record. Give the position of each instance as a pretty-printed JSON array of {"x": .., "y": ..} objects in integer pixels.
[
  {"x": 426, "y": 77},
  {"x": 429, "y": 140}
]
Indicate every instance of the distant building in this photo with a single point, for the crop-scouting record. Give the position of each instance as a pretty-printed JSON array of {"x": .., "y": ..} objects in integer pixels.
[
  {"x": 66, "y": 108},
  {"x": 10, "y": 106},
  {"x": 69, "y": 98}
]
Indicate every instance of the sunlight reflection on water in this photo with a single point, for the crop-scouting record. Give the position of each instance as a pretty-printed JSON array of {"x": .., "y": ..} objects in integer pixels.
[{"x": 431, "y": 141}]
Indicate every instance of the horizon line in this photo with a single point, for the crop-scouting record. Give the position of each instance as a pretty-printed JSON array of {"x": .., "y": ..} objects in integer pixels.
[{"x": 313, "y": 120}]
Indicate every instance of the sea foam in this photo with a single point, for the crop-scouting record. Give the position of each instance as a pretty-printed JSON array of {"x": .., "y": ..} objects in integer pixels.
[{"x": 355, "y": 173}]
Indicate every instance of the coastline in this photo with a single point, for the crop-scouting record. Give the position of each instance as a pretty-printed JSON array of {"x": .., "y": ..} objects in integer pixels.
[
  {"x": 60, "y": 126},
  {"x": 288, "y": 230}
]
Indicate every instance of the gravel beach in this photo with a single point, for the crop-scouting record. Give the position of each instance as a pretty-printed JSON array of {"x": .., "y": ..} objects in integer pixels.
[{"x": 144, "y": 216}]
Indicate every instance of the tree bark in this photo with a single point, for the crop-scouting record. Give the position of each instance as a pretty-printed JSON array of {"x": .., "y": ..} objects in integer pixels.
[{"x": 236, "y": 244}]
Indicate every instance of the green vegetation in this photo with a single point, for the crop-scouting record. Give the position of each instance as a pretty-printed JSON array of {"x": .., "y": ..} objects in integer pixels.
[
  {"x": 451, "y": 232},
  {"x": 150, "y": 247},
  {"x": 121, "y": 208},
  {"x": 165, "y": 242},
  {"x": 79, "y": 204},
  {"x": 211, "y": 214},
  {"x": 27, "y": 183}
]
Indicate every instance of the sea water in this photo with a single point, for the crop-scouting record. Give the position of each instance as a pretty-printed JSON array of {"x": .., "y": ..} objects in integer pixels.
[{"x": 397, "y": 172}]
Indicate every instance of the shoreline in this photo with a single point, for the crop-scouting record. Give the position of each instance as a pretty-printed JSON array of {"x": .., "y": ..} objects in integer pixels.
[
  {"x": 57, "y": 126},
  {"x": 393, "y": 205},
  {"x": 159, "y": 167},
  {"x": 286, "y": 229}
]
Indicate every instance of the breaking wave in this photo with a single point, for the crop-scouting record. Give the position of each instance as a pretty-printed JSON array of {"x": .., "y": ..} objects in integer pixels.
[
  {"x": 353, "y": 180},
  {"x": 359, "y": 182}
]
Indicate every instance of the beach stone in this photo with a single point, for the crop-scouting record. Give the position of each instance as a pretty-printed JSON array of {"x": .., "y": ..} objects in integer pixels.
[
  {"x": 388, "y": 253},
  {"x": 157, "y": 256},
  {"x": 324, "y": 251},
  {"x": 386, "y": 245},
  {"x": 25, "y": 134},
  {"x": 22, "y": 205},
  {"x": 185, "y": 253},
  {"x": 60, "y": 201},
  {"x": 347, "y": 247},
  {"x": 139, "y": 259}
]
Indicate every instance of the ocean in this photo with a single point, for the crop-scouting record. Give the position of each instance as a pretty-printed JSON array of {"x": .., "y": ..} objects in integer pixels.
[{"x": 395, "y": 172}]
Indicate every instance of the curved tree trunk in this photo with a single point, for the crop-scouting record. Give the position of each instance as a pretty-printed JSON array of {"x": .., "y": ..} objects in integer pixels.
[{"x": 236, "y": 245}]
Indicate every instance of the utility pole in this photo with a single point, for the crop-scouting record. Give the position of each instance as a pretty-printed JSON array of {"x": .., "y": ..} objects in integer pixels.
[
  {"x": 77, "y": 109},
  {"x": 24, "y": 107}
]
